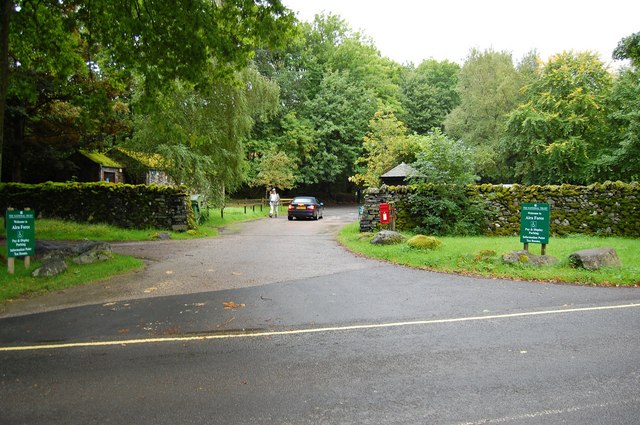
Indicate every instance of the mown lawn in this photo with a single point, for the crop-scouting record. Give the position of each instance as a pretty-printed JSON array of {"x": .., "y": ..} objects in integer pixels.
[{"x": 482, "y": 256}]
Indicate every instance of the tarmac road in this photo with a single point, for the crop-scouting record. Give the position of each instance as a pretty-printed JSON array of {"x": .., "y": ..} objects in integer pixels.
[{"x": 317, "y": 335}]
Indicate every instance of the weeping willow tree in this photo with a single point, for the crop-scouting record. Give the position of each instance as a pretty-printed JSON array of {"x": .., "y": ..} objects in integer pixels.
[{"x": 198, "y": 131}]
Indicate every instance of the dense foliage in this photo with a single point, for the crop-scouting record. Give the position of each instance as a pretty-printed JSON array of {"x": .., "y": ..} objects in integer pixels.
[
  {"x": 237, "y": 95},
  {"x": 80, "y": 74},
  {"x": 446, "y": 209},
  {"x": 560, "y": 129}
]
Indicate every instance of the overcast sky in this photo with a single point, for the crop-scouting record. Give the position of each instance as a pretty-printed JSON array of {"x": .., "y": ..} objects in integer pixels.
[{"x": 414, "y": 30}]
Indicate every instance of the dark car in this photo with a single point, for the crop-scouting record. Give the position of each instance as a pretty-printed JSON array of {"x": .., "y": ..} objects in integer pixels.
[{"x": 305, "y": 207}]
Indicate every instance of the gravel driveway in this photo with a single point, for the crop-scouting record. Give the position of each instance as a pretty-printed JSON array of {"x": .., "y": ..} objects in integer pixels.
[{"x": 247, "y": 254}]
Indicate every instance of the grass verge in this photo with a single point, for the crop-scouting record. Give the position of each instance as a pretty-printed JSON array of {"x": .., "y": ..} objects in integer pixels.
[
  {"x": 21, "y": 284},
  {"x": 482, "y": 256},
  {"x": 51, "y": 229}
]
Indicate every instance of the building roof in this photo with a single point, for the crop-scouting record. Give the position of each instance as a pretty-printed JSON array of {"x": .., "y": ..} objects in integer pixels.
[
  {"x": 101, "y": 159},
  {"x": 402, "y": 170},
  {"x": 153, "y": 161}
]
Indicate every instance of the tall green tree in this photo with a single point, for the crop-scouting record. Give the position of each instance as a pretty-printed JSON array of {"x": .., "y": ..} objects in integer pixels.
[
  {"x": 429, "y": 94},
  {"x": 43, "y": 57},
  {"x": 620, "y": 160},
  {"x": 557, "y": 134},
  {"x": 289, "y": 135},
  {"x": 275, "y": 170},
  {"x": 489, "y": 87},
  {"x": 629, "y": 48},
  {"x": 59, "y": 40},
  {"x": 385, "y": 145},
  {"x": 200, "y": 133},
  {"x": 340, "y": 113},
  {"x": 332, "y": 81},
  {"x": 443, "y": 160}
]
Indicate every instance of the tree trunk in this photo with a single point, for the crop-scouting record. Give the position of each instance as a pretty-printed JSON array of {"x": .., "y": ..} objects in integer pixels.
[
  {"x": 6, "y": 10},
  {"x": 13, "y": 138}
]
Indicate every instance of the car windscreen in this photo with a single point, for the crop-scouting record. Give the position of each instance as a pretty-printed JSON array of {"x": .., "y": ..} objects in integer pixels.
[{"x": 302, "y": 201}]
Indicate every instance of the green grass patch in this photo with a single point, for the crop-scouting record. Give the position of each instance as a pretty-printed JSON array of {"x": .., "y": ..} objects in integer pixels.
[
  {"x": 22, "y": 284},
  {"x": 482, "y": 256},
  {"x": 52, "y": 229}
]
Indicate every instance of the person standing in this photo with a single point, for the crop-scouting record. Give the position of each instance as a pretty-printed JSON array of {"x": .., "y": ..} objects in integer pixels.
[{"x": 274, "y": 200}]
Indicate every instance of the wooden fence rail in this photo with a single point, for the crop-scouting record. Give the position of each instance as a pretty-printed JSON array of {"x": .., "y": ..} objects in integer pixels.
[{"x": 251, "y": 203}]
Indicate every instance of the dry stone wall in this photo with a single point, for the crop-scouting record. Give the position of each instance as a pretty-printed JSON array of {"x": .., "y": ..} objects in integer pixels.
[
  {"x": 122, "y": 205},
  {"x": 611, "y": 208}
]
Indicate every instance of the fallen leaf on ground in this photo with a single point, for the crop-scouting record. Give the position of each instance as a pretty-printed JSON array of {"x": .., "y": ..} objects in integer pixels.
[
  {"x": 150, "y": 290},
  {"x": 230, "y": 305},
  {"x": 236, "y": 273},
  {"x": 169, "y": 272}
]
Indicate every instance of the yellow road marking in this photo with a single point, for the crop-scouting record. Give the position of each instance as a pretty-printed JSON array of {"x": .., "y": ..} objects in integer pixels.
[{"x": 310, "y": 330}]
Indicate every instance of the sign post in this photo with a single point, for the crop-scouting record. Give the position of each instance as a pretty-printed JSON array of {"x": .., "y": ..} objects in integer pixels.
[
  {"x": 534, "y": 225},
  {"x": 21, "y": 241}
]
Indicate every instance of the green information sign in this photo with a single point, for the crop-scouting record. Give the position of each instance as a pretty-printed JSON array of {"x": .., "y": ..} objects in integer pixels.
[
  {"x": 21, "y": 233},
  {"x": 534, "y": 223}
]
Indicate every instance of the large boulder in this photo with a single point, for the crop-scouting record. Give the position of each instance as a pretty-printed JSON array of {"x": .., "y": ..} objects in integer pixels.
[
  {"x": 387, "y": 237},
  {"x": 47, "y": 249},
  {"x": 52, "y": 254},
  {"x": 525, "y": 257},
  {"x": 93, "y": 252},
  {"x": 53, "y": 265},
  {"x": 595, "y": 258}
]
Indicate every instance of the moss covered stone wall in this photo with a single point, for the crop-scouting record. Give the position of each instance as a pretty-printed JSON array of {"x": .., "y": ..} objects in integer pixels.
[
  {"x": 122, "y": 205},
  {"x": 611, "y": 208}
]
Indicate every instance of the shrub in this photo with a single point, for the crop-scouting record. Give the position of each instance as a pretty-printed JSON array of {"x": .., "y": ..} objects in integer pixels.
[{"x": 447, "y": 210}]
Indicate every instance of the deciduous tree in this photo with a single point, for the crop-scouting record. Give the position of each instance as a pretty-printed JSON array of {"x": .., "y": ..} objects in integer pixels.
[
  {"x": 429, "y": 94},
  {"x": 199, "y": 133},
  {"x": 489, "y": 86},
  {"x": 385, "y": 145},
  {"x": 332, "y": 80},
  {"x": 161, "y": 41},
  {"x": 443, "y": 160},
  {"x": 629, "y": 48},
  {"x": 561, "y": 129},
  {"x": 619, "y": 160}
]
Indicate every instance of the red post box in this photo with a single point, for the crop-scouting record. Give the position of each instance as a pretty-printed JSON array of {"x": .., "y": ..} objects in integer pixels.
[{"x": 385, "y": 216}]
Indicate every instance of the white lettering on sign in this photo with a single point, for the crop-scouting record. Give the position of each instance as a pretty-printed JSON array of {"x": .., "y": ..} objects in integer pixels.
[{"x": 20, "y": 233}]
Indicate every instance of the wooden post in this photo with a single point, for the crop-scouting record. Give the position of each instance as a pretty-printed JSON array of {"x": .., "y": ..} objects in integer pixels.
[
  {"x": 543, "y": 249},
  {"x": 526, "y": 247},
  {"x": 393, "y": 217},
  {"x": 27, "y": 259},
  {"x": 11, "y": 264}
]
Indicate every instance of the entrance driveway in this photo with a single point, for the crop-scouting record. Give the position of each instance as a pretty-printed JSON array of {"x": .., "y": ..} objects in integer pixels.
[{"x": 244, "y": 255}]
